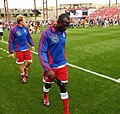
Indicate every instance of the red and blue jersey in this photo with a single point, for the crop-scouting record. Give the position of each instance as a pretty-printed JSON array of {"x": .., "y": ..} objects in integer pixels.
[
  {"x": 19, "y": 39},
  {"x": 51, "y": 49}
]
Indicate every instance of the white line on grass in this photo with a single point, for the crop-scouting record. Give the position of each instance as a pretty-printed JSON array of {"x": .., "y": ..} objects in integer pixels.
[
  {"x": 95, "y": 73},
  {"x": 118, "y": 80},
  {"x": 4, "y": 50},
  {"x": 34, "y": 52},
  {"x": 4, "y": 42},
  {"x": 83, "y": 69}
]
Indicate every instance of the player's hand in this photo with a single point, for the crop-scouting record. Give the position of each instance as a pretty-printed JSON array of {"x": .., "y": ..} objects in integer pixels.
[
  {"x": 50, "y": 74},
  {"x": 33, "y": 48},
  {"x": 12, "y": 55}
]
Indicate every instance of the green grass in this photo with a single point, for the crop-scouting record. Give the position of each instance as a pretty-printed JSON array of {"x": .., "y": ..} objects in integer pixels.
[{"x": 96, "y": 49}]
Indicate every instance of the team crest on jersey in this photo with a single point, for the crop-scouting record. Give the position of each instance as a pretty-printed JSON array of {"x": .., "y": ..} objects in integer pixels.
[
  {"x": 18, "y": 33},
  {"x": 55, "y": 39}
]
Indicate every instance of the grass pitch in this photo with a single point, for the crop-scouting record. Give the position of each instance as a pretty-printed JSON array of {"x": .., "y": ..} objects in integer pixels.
[{"x": 96, "y": 49}]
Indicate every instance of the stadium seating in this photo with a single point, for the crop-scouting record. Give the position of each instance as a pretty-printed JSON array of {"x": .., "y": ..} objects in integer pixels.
[{"x": 105, "y": 12}]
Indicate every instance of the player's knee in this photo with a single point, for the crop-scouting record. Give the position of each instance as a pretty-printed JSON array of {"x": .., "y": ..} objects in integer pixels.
[
  {"x": 47, "y": 85},
  {"x": 63, "y": 88},
  {"x": 29, "y": 62}
]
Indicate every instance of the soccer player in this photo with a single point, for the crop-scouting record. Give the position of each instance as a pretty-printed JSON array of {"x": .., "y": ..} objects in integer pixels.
[
  {"x": 20, "y": 41},
  {"x": 51, "y": 52},
  {"x": 1, "y": 30}
]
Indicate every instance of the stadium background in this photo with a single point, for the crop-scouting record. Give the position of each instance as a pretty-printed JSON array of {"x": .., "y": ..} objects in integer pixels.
[{"x": 93, "y": 48}]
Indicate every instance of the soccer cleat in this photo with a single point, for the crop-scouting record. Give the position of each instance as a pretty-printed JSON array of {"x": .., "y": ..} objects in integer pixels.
[
  {"x": 46, "y": 102},
  {"x": 24, "y": 80},
  {"x": 26, "y": 72}
]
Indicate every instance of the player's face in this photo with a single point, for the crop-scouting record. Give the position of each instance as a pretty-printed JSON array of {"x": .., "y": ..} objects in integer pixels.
[
  {"x": 63, "y": 25},
  {"x": 23, "y": 22}
]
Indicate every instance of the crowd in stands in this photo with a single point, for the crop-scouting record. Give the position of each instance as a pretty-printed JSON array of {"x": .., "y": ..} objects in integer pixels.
[
  {"x": 103, "y": 17},
  {"x": 75, "y": 23},
  {"x": 34, "y": 27},
  {"x": 97, "y": 22}
]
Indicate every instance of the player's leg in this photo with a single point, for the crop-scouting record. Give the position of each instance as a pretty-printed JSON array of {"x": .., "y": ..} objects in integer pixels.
[
  {"x": 20, "y": 62},
  {"x": 63, "y": 77},
  {"x": 28, "y": 59},
  {"x": 64, "y": 97},
  {"x": 48, "y": 83},
  {"x": 2, "y": 38},
  {"x": 46, "y": 89},
  {"x": 21, "y": 66},
  {"x": 1, "y": 35},
  {"x": 26, "y": 66}
]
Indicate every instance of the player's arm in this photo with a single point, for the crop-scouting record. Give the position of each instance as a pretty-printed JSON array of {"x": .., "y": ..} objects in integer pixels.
[
  {"x": 10, "y": 44},
  {"x": 33, "y": 48},
  {"x": 50, "y": 73},
  {"x": 30, "y": 40},
  {"x": 42, "y": 52}
]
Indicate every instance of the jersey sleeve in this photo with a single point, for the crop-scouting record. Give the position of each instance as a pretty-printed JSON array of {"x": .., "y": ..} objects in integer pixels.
[
  {"x": 10, "y": 42},
  {"x": 42, "y": 52},
  {"x": 29, "y": 39}
]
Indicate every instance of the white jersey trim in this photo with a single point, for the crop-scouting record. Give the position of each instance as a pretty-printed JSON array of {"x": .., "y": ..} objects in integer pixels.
[{"x": 60, "y": 66}]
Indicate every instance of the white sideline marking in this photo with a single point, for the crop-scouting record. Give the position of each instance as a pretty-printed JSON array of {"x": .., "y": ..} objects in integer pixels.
[
  {"x": 4, "y": 42},
  {"x": 118, "y": 80},
  {"x": 0, "y": 57},
  {"x": 7, "y": 51},
  {"x": 34, "y": 52},
  {"x": 4, "y": 50},
  {"x": 95, "y": 73},
  {"x": 83, "y": 69}
]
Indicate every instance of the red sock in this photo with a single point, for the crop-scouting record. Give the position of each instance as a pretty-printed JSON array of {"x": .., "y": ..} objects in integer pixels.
[
  {"x": 45, "y": 95},
  {"x": 66, "y": 106},
  {"x": 23, "y": 75},
  {"x": 65, "y": 100},
  {"x": 26, "y": 71}
]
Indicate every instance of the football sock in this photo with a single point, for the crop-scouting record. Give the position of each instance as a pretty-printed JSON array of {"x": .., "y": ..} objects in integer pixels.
[
  {"x": 65, "y": 100},
  {"x": 26, "y": 71},
  {"x": 25, "y": 67},
  {"x": 45, "y": 92},
  {"x": 23, "y": 75}
]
